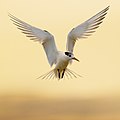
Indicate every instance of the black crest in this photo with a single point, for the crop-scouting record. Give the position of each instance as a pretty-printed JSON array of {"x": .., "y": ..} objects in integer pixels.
[{"x": 68, "y": 54}]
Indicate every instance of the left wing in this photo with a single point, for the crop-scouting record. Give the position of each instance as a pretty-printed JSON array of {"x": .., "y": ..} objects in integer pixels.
[
  {"x": 85, "y": 29},
  {"x": 36, "y": 34}
]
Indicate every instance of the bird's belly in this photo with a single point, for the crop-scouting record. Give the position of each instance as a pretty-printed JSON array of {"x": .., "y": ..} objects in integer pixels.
[{"x": 61, "y": 65}]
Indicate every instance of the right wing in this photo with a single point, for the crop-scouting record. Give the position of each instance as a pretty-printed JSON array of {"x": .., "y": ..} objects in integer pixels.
[
  {"x": 42, "y": 36},
  {"x": 85, "y": 29}
]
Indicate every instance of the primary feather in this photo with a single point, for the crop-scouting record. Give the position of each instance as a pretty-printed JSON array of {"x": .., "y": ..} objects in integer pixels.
[
  {"x": 85, "y": 29},
  {"x": 36, "y": 34}
]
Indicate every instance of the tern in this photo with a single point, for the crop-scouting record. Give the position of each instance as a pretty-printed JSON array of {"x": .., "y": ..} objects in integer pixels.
[{"x": 54, "y": 56}]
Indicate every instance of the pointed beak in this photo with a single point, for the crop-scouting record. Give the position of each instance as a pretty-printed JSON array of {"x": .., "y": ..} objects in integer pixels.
[{"x": 75, "y": 59}]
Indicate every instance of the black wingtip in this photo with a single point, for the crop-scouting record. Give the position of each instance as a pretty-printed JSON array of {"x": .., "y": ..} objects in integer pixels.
[
  {"x": 107, "y": 8},
  {"x": 10, "y": 15}
]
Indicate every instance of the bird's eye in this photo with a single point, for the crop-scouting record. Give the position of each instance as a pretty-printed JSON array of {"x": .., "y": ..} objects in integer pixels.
[{"x": 68, "y": 54}]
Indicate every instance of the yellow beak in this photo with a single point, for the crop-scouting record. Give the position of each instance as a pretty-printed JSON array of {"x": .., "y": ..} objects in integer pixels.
[{"x": 75, "y": 59}]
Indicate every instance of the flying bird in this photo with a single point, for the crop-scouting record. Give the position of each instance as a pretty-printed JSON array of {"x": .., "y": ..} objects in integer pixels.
[{"x": 54, "y": 56}]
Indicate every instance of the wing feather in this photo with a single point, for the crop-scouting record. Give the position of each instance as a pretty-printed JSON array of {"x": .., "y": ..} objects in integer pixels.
[
  {"x": 42, "y": 36},
  {"x": 85, "y": 29}
]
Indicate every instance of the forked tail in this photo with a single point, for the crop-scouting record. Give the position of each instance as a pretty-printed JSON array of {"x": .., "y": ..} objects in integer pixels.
[{"x": 55, "y": 73}]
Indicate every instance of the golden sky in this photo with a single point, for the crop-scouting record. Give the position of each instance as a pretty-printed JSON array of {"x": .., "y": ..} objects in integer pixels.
[{"x": 22, "y": 60}]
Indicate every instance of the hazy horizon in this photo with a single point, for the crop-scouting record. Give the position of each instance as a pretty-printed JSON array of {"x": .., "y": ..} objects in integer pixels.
[{"x": 21, "y": 107}]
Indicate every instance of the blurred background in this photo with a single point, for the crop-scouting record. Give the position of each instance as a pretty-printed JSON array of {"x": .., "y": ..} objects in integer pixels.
[{"x": 96, "y": 96}]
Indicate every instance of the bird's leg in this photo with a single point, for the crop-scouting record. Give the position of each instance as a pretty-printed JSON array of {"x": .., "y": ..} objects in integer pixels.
[
  {"x": 63, "y": 73},
  {"x": 58, "y": 73}
]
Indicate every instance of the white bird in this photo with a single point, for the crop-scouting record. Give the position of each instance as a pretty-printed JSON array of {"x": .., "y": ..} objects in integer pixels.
[{"x": 60, "y": 59}]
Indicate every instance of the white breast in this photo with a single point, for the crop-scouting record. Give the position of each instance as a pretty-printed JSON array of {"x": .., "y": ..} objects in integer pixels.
[{"x": 62, "y": 61}]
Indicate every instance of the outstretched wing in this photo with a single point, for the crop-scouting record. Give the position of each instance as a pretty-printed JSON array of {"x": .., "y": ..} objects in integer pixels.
[
  {"x": 42, "y": 36},
  {"x": 85, "y": 29}
]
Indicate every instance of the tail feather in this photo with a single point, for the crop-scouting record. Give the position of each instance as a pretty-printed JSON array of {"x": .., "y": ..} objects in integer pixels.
[
  {"x": 72, "y": 73},
  {"x": 48, "y": 75},
  {"x": 67, "y": 73}
]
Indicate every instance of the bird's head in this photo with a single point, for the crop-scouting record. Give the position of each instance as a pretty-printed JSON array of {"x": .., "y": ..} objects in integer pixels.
[{"x": 70, "y": 56}]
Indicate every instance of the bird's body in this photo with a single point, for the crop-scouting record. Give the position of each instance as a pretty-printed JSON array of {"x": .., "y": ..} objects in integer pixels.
[
  {"x": 61, "y": 64},
  {"x": 59, "y": 58},
  {"x": 62, "y": 61}
]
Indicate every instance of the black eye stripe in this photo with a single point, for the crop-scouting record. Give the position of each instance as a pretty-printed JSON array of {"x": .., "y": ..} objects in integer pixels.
[{"x": 68, "y": 54}]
